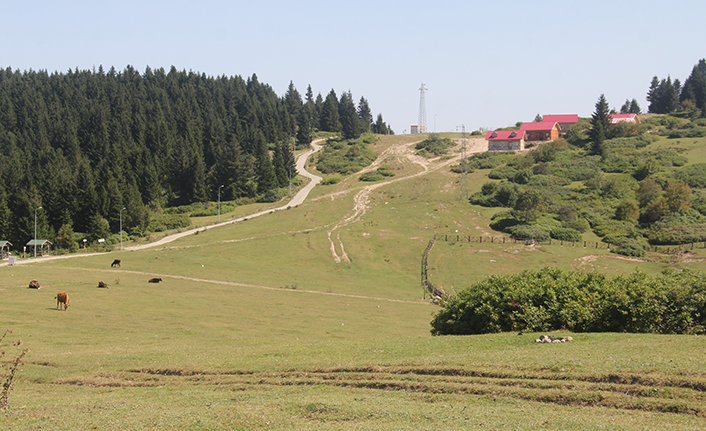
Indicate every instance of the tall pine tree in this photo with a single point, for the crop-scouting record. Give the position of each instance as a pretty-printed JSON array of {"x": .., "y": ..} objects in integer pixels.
[{"x": 600, "y": 127}]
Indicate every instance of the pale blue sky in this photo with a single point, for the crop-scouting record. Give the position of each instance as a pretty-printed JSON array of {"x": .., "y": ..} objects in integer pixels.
[{"x": 485, "y": 63}]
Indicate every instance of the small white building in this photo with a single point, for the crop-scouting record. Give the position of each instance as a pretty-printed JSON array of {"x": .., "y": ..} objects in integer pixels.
[{"x": 417, "y": 129}]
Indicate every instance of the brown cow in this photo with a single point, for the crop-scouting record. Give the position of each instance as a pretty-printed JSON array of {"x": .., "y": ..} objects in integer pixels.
[
  {"x": 115, "y": 263},
  {"x": 154, "y": 280},
  {"x": 34, "y": 284},
  {"x": 101, "y": 284},
  {"x": 62, "y": 298}
]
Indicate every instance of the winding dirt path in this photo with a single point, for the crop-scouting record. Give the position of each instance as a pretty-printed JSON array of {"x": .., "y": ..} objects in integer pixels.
[{"x": 361, "y": 201}]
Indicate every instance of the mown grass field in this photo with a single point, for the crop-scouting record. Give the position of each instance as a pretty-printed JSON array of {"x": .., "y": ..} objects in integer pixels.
[{"x": 256, "y": 326}]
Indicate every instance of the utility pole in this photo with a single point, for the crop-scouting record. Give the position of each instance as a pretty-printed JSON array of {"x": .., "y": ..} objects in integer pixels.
[{"x": 464, "y": 166}]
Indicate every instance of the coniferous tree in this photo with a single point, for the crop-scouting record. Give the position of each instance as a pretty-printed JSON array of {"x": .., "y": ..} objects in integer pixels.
[
  {"x": 304, "y": 130},
  {"x": 652, "y": 94},
  {"x": 380, "y": 127},
  {"x": 600, "y": 127},
  {"x": 266, "y": 178},
  {"x": 365, "y": 115},
  {"x": 330, "y": 117},
  {"x": 88, "y": 143},
  {"x": 350, "y": 123},
  {"x": 293, "y": 102},
  {"x": 634, "y": 107},
  {"x": 278, "y": 163},
  {"x": 4, "y": 215},
  {"x": 694, "y": 88},
  {"x": 316, "y": 113}
]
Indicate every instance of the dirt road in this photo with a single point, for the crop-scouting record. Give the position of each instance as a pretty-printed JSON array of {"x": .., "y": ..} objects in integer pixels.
[{"x": 296, "y": 200}]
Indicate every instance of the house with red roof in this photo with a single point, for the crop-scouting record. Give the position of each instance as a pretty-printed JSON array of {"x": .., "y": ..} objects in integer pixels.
[
  {"x": 623, "y": 118},
  {"x": 566, "y": 121},
  {"x": 505, "y": 140},
  {"x": 544, "y": 131}
]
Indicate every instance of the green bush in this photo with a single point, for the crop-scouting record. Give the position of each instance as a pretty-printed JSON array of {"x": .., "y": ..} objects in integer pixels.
[
  {"x": 162, "y": 222},
  {"x": 672, "y": 302},
  {"x": 628, "y": 247},
  {"x": 372, "y": 176},
  {"x": 528, "y": 232},
  {"x": 566, "y": 234},
  {"x": 435, "y": 144},
  {"x": 212, "y": 210},
  {"x": 502, "y": 173},
  {"x": 579, "y": 224},
  {"x": 335, "y": 179},
  {"x": 345, "y": 157},
  {"x": 680, "y": 234},
  {"x": 694, "y": 175}
]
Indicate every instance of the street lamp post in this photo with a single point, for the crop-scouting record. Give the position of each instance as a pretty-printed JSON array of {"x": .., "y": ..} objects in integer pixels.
[
  {"x": 294, "y": 143},
  {"x": 219, "y": 202},
  {"x": 35, "y": 231},
  {"x": 121, "y": 228}
]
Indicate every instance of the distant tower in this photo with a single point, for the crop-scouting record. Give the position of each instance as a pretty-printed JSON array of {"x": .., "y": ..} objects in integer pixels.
[{"x": 422, "y": 110}]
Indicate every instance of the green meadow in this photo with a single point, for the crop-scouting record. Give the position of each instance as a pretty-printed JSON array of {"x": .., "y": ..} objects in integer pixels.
[{"x": 258, "y": 325}]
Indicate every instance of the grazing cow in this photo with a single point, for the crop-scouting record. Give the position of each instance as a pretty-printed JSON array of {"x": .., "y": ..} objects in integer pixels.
[
  {"x": 101, "y": 284},
  {"x": 62, "y": 298},
  {"x": 34, "y": 284},
  {"x": 115, "y": 263},
  {"x": 154, "y": 280}
]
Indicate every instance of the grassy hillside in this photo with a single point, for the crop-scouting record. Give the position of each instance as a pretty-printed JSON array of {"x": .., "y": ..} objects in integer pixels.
[{"x": 314, "y": 318}]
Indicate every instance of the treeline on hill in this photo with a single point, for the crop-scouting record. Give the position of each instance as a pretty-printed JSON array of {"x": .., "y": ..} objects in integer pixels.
[
  {"x": 551, "y": 299},
  {"x": 90, "y": 146},
  {"x": 604, "y": 177}
]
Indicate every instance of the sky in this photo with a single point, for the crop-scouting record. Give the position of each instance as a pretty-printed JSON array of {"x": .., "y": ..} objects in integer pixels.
[{"x": 485, "y": 64}]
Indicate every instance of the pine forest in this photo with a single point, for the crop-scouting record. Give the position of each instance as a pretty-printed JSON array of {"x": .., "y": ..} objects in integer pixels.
[{"x": 81, "y": 150}]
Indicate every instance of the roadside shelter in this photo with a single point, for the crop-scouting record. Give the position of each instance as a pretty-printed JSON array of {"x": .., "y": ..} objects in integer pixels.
[
  {"x": 41, "y": 244},
  {"x": 5, "y": 249}
]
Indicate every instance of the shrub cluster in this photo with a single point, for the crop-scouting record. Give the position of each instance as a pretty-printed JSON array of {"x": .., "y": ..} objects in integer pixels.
[
  {"x": 548, "y": 299},
  {"x": 345, "y": 157},
  {"x": 435, "y": 144},
  {"x": 162, "y": 222}
]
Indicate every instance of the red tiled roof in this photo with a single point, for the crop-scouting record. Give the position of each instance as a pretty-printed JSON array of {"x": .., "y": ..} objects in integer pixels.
[
  {"x": 564, "y": 118},
  {"x": 504, "y": 135},
  {"x": 538, "y": 126},
  {"x": 616, "y": 116}
]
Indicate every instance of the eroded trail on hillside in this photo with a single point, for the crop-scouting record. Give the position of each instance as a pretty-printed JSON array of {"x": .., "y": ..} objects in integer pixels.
[{"x": 361, "y": 201}]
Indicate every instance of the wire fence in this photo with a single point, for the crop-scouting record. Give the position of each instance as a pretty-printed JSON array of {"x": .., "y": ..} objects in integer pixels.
[{"x": 672, "y": 249}]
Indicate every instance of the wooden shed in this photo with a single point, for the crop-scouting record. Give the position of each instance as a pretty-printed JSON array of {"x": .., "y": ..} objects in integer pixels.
[
  {"x": 5, "y": 249},
  {"x": 42, "y": 246}
]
